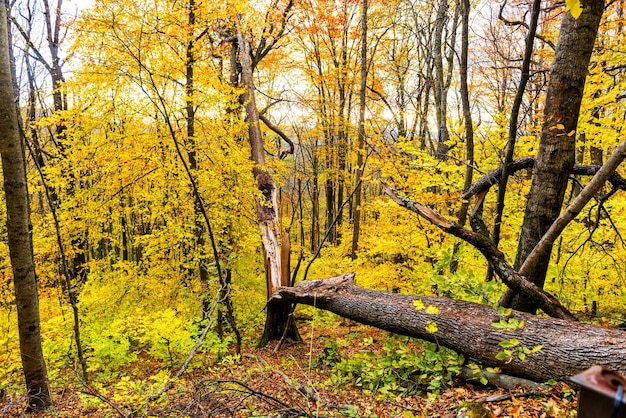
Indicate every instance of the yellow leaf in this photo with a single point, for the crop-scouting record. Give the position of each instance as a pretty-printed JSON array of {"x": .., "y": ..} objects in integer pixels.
[
  {"x": 560, "y": 126},
  {"x": 573, "y": 6},
  {"x": 419, "y": 305},
  {"x": 431, "y": 326},
  {"x": 432, "y": 310}
]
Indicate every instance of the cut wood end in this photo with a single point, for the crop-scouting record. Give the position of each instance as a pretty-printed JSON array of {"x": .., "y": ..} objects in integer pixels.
[{"x": 478, "y": 201}]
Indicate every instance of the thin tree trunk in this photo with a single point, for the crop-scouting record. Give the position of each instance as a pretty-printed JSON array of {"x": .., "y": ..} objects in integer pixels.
[
  {"x": 513, "y": 122},
  {"x": 315, "y": 201},
  {"x": 361, "y": 137},
  {"x": 469, "y": 128},
  {"x": 200, "y": 230},
  {"x": 19, "y": 233},
  {"x": 440, "y": 90}
]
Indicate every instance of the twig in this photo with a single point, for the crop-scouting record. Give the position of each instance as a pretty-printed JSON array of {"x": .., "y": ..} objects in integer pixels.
[
  {"x": 307, "y": 391},
  {"x": 283, "y": 338},
  {"x": 92, "y": 392},
  {"x": 509, "y": 396},
  {"x": 170, "y": 383},
  {"x": 407, "y": 408},
  {"x": 251, "y": 391}
]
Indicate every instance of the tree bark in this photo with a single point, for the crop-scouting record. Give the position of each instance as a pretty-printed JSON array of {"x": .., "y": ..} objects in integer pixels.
[
  {"x": 556, "y": 153},
  {"x": 277, "y": 323},
  {"x": 19, "y": 234},
  {"x": 468, "y": 125},
  {"x": 356, "y": 217},
  {"x": 440, "y": 89},
  {"x": 567, "y": 348},
  {"x": 513, "y": 124}
]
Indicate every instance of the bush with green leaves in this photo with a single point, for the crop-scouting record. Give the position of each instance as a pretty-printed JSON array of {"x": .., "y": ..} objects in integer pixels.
[{"x": 404, "y": 366}]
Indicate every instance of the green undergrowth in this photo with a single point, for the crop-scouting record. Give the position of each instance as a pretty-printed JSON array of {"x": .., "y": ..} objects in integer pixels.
[{"x": 401, "y": 366}]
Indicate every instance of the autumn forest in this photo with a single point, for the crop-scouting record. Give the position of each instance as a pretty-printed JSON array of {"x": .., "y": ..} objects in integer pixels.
[{"x": 323, "y": 208}]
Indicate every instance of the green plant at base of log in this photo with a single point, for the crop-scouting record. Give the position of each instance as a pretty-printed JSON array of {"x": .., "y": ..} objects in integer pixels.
[{"x": 401, "y": 368}]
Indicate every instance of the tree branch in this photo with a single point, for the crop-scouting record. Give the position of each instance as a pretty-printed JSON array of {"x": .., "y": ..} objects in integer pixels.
[
  {"x": 492, "y": 177},
  {"x": 280, "y": 133},
  {"x": 503, "y": 269},
  {"x": 603, "y": 174}
]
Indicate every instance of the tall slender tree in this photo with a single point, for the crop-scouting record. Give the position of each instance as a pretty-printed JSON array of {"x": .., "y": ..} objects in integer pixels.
[
  {"x": 19, "y": 233},
  {"x": 361, "y": 135}
]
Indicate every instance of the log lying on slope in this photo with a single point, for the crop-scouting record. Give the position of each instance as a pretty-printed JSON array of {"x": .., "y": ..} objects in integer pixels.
[{"x": 568, "y": 347}]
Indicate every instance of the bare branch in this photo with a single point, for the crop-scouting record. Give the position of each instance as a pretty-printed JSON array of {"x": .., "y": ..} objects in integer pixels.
[
  {"x": 503, "y": 269},
  {"x": 30, "y": 44},
  {"x": 280, "y": 133},
  {"x": 492, "y": 177}
]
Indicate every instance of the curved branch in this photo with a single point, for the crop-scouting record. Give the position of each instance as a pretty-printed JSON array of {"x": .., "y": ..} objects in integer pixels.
[
  {"x": 38, "y": 56},
  {"x": 492, "y": 177},
  {"x": 523, "y": 24},
  {"x": 280, "y": 133},
  {"x": 505, "y": 271}
]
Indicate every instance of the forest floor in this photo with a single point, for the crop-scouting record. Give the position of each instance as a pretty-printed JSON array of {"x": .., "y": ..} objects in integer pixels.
[{"x": 294, "y": 383}]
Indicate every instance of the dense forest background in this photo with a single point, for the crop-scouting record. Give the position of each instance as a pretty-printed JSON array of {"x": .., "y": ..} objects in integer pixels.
[{"x": 144, "y": 196}]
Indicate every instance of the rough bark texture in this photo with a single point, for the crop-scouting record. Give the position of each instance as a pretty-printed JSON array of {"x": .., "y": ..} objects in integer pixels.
[
  {"x": 468, "y": 125},
  {"x": 556, "y": 153},
  {"x": 19, "y": 234},
  {"x": 439, "y": 84},
  {"x": 568, "y": 347},
  {"x": 277, "y": 323}
]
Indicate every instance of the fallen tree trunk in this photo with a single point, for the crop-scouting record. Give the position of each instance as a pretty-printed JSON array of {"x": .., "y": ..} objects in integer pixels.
[{"x": 568, "y": 347}]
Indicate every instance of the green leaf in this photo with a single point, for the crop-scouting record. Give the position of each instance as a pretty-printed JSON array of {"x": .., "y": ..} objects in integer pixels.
[
  {"x": 513, "y": 342},
  {"x": 500, "y": 325},
  {"x": 504, "y": 311}
]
